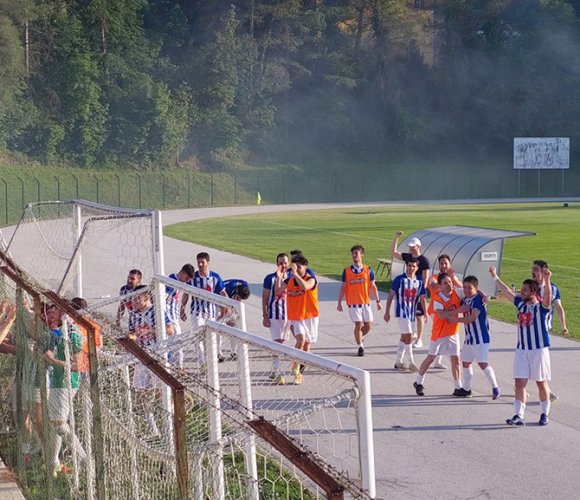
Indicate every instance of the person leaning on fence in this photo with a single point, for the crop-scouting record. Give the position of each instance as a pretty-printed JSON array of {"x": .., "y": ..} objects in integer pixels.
[
  {"x": 133, "y": 281},
  {"x": 142, "y": 330},
  {"x": 302, "y": 301},
  {"x": 173, "y": 298},
  {"x": 62, "y": 389},
  {"x": 236, "y": 289}
]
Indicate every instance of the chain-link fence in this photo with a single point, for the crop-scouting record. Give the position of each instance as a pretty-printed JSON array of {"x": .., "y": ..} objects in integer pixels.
[{"x": 185, "y": 189}]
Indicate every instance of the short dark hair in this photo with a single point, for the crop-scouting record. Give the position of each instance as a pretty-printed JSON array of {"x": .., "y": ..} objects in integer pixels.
[
  {"x": 78, "y": 303},
  {"x": 533, "y": 284},
  {"x": 412, "y": 258},
  {"x": 542, "y": 263},
  {"x": 242, "y": 291},
  {"x": 360, "y": 248},
  {"x": 442, "y": 276},
  {"x": 188, "y": 269},
  {"x": 471, "y": 279},
  {"x": 300, "y": 260},
  {"x": 145, "y": 289},
  {"x": 137, "y": 272},
  {"x": 280, "y": 255},
  {"x": 443, "y": 256},
  {"x": 202, "y": 255},
  {"x": 294, "y": 253}
]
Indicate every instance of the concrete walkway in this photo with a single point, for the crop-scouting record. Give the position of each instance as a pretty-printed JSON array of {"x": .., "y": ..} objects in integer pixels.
[{"x": 437, "y": 446}]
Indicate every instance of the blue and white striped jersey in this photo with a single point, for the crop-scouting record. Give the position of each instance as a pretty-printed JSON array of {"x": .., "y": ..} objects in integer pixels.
[
  {"x": 407, "y": 293},
  {"x": 173, "y": 295},
  {"x": 476, "y": 332},
  {"x": 533, "y": 325},
  {"x": 276, "y": 303},
  {"x": 210, "y": 283},
  {"x": 555, "y": 297},
  {"x": 142, "y": 324}
]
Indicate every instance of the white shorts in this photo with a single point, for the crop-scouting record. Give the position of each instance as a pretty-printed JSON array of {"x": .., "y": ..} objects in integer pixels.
[
  {"x": 308, "y": 328},
  {"x": 59, "y": 404},
  {"x": 280, "y": 329},
  {"x": 143, "y": 378},
  {"x": 475, "y": 352},
  {"x": 405, "y": 325},
  {"x": 362, "y": 313},
  {"x": 176, "y": 327},
  {"x": 533, "y": 364},
  {"x": 445, "y": 346}
]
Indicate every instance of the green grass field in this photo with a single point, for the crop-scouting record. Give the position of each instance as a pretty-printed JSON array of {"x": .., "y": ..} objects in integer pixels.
[{"x": 325, "y": 237}]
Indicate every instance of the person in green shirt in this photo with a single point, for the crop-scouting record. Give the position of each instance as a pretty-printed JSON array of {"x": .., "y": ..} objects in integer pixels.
[{"x": 61, "y": 389}]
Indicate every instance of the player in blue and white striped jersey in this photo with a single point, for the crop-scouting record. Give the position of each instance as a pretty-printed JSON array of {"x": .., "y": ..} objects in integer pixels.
[
  {"x": 133, "y": 280},
  {"x": 173, "y": 298},
  {"x": 202, "y": 310},
  {"x": 477, "y": 337},
  {"x": 532, "y": 355},
  {"x": 537, "y": 267},
  {"x": 274, "y": 311},
  {"x": 408, "y": 291}
]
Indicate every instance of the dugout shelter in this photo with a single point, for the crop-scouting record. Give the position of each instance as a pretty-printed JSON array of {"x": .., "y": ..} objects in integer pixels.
[{"x": 472, "y": 250}]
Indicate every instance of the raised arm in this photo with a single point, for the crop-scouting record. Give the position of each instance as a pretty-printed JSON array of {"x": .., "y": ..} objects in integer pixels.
[
  {"x": 395, "y": 244},
  {"x": 505, "y": 290},
  {"x": 547, "y": 298}
]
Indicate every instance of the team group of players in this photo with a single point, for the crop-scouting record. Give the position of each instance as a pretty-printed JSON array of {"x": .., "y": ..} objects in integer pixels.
[
  {"x": 452, "y": 302},
  {"x": 290, "y": 308}
]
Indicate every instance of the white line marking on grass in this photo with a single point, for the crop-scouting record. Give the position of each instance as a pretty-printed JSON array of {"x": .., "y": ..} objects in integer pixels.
[
  {"x": 324, "y": 231},
  {"x": 552, "y": 266}
]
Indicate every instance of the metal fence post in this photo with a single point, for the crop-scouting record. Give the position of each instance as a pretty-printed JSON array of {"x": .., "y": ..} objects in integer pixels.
[
  {"x": 97, "y": 181},
  {"x": 37, "y": 188},
  {"x": 5, "y": 200},
  {"x": 211, "y": 183},
  {"x": 139, "y": 187},
  {"x": 188, "y": 190},
  {"x": 235, "y": 189},
  {"x": 57, "y": 188},
  {"x": 77, "y": 184},
  {"x": 22, "y": 192},
  {"x": 163, "y": 191},
  {"x": 118, "y": 190}
]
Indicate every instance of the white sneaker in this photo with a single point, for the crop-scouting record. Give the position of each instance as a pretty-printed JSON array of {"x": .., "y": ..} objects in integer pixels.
[{"x": 418, "y": 344}]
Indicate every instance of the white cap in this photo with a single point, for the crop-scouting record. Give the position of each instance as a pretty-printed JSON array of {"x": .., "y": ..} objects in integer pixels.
[{"x": 414, "y": 242}]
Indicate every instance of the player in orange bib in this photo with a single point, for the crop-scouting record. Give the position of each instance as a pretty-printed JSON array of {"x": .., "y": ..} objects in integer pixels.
[
  {"x": 358, "y": 283},
  {"x": 301, "y": 306},
  {"x": 444, "y": 305}
]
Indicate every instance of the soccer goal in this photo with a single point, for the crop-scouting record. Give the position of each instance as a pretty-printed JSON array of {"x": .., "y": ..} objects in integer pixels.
[{"x": 84, "y": 249}]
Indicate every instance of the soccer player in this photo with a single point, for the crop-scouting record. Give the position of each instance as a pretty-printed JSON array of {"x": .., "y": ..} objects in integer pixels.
[
  {"x": 142, "y": 329},
  {"x": 422, "y": 274},
  {"x": 237, "y": 289},
  {"x": 477, "y": 336},
  {"x": 274, "y": 312},
  {"x": 133, "y": 280},
  {"x": 201, "y": 310},
  {"x": 532, "y": 355},
  {"x": 173, "y": 298},
  {"x": 409, "y": 292},
  {"x": 444, "y": 306},
  {"x": 444, "y": 262},
  {"x": 358, "y": 284},
  {"x": 210, "y": 281},
  {"x": 302, "y": 302},
  {"x": 62, "y": 391},
  {"x": 537, "y": 267}
]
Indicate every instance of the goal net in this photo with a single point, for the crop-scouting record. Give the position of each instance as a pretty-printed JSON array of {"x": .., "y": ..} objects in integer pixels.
[{"x": 196, "y": 414}]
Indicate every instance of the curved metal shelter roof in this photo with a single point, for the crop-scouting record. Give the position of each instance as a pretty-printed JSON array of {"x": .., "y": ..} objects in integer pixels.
[{"x": 472, "y": 250}]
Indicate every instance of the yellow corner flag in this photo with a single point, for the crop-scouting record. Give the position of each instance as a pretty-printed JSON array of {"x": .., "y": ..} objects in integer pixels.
[{"x": 258, "y": 199}]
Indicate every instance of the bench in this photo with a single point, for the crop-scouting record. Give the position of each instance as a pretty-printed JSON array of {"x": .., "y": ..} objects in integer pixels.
[{"x": 384, "y": 265}]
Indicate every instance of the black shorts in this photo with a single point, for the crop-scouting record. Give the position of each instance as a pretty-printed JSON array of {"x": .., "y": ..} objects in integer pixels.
[{"x": 420, "y": 311}]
